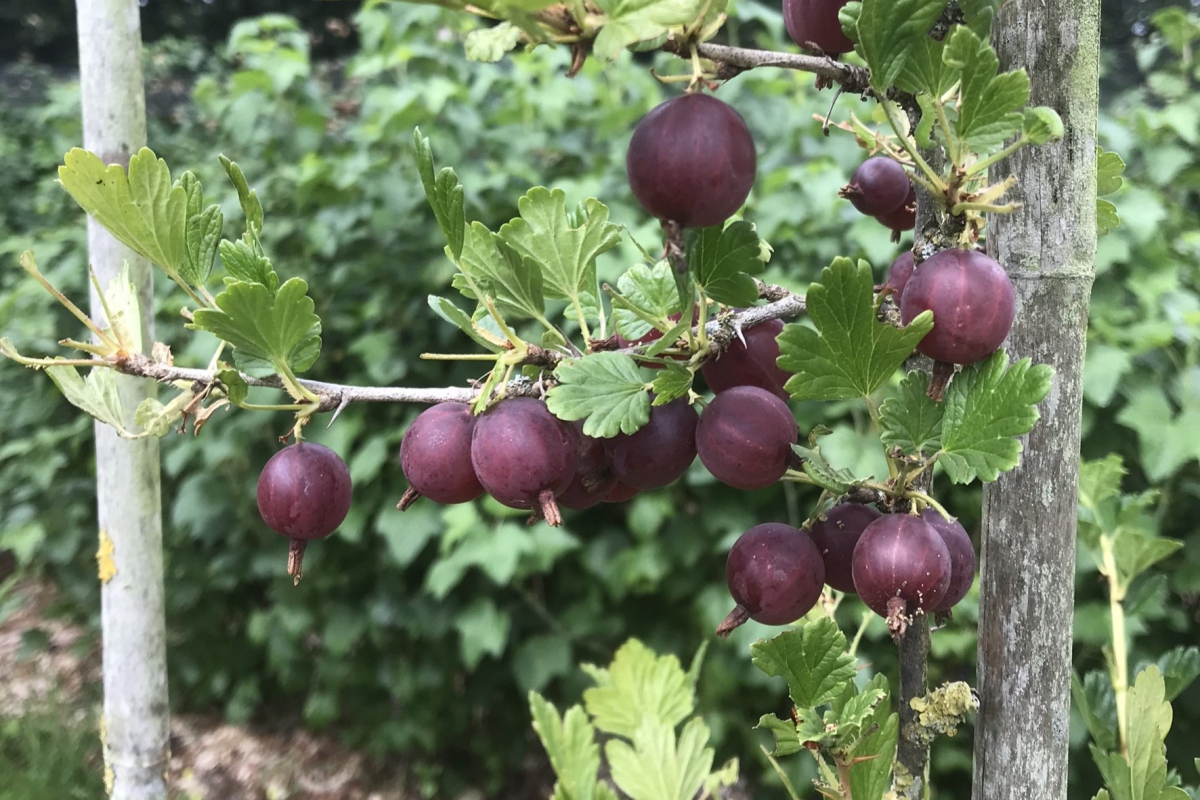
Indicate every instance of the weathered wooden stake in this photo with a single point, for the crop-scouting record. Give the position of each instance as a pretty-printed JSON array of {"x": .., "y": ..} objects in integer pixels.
[
  {"x": 1048, "y": 249},
  {"x": 135, "y": 723}
]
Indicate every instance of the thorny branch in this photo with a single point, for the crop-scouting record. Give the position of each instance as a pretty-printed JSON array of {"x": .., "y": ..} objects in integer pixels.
[{"x": 334, "y": 396}]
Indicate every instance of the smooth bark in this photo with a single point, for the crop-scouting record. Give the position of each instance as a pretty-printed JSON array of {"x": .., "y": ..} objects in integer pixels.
[
  {"x": 135, "y": 721},
  {"x": 1048, "y": 248}
]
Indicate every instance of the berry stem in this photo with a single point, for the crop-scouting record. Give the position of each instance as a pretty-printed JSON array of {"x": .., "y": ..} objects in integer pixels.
[
  {"x": 942, "y": 373},
  {"x": 409, "y": 497},
  {"x": 738, "y": 617},
  {"x": 295, "y": 566},
  {"x": 549, "y": 508}
]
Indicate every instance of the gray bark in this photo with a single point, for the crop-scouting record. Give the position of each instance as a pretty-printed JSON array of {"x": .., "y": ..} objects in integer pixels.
[
  {"x": 1048, "y": 249},
  {"x": 127, "y": 472}
]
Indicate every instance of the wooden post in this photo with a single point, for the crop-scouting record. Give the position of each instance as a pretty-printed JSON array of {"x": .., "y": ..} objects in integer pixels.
[
  {"x": 135, "y": 723},
  {"x": 1048, "y": 248}
]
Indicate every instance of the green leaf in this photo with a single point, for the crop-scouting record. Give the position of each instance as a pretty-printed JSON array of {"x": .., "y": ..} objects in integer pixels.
[
  {"x": 851, "y": 718},
  {"x": 986, "y": 407},
  {"x": 990, "y": 103},
  {"x": 202, "y": 233},
  {"x": 837, "y": 481},
  {"x": 242, "y": 264},
  {"x": 1143, "y": 775},
  {"x": 724, "y": 261},
  {"x": 627, "y": 22},
  {"x": 96, "y": 395},
  {"x": 155, "y": 419},
  {"x": 281, "y": 330},
  {"x": 851, "y": 353},
  {"x": 236, "y": 387},
  {"x": 566, "y": 251},
  {"x": 607, "y": 389},
  {"x": 570, "y": 742},
  {"x": 490, "y": 44},
  {"x": 979, "y": 15},
  {"x": 500, "y": 270},
  {"x": 458, "y": 318},
  {"x": 659, "y": 767},
  {"x": 650, "y": 288},
  {"x": 1136, "y": 552},
  {"x": 640, "y": 686},
  {"x": 1109, "y": 169},
  {"x": 672, "y": 382},
  {"x": 926, "y": 73},
  {"x": 669, "y": 339},
  {"x": 1180, "y": 667},
  {"x": 812, "y": 658},
  {"x": 445, "y": 196},
  {"x": 247, "y": 197},
  {"x": 1097, "y": 705},
  {"x": 483, "y": 630},
  {"x": 142, "y": 209},
  {"x": 1042, "y": 125},
  {"x": 889, "y": 31},
  {"x": 1179, "y": 28},
  {"x": 1107, "y": 219},
  {"x": 870, "y": 778},
  {"x": 787, "y": 740},
  {"x": 910, "y": 420}
]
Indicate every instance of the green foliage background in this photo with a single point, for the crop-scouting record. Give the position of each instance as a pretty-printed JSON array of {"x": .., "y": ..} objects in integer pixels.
[{"x": 419, "y": 635}]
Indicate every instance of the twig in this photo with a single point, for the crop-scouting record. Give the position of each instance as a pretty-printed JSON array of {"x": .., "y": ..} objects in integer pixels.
[{"x": 336, "y": 396}]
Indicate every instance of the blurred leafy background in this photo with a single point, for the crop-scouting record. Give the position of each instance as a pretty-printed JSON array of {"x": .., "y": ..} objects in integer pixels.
[{"x": 417, "y": 636}]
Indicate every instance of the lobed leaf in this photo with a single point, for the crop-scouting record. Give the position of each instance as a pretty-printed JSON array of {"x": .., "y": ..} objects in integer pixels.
[
  {"x": 658, "y": 766},
  {"x": 141, "y": 208},
  {"x": 724, "y": 261},
  {"x": 570, "y": 743},
  {"x": 987, "y": 406},
  {"x": 278, "y": 329},
  {"x": 990, "y": 104},
  {"x": 639, "y": 687},
  {"x": 566, "y": 251},
  {"x": 812, "y": 658},
  {"x": 606, "y": 389},
  {"x": 888, "y": 33},
  {"x": 910, "y": 420},
  {"x": 851, "y": 353}
]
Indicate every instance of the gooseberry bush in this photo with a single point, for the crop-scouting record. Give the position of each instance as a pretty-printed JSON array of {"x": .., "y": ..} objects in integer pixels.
[{"x": 591, "y": 393}]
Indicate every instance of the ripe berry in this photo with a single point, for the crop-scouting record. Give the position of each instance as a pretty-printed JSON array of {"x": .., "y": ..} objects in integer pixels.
[
  {"x": 435, "y": 456},
  {"x": 304, "y": 493},
  {"x": 816, "y": 21},
  {"x": 745, "y": 437},
  {"x": 594, "y": 478},
  {"x": 658, "y": 452},
  {"x": 879, "y": 186},
  {"x": 901, "y": 557},
  {"x": 972, "y": 303},
  {"x": 774, "y": 574},
  {"x": 835, "y": 534},
  {"x": 691, "y": 160},
  {"x": 524, "y": 456},
  {"x": 749, "y": 364},
  {"x": 903, "y": 218},
  {"x": 962, "y": 557},
  {"x": 898, "y": 275}
]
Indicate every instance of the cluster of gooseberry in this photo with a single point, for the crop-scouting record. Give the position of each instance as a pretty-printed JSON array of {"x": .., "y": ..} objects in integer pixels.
[
  {"x": 691, "y": 163},
  {"x": 525, "y": 457},
  {"x": 897, "y": 563}
]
